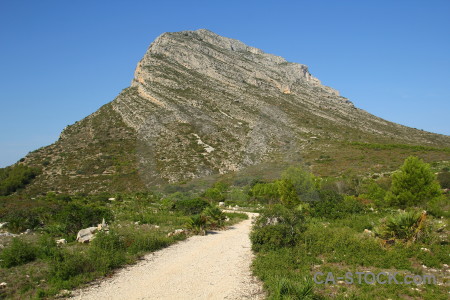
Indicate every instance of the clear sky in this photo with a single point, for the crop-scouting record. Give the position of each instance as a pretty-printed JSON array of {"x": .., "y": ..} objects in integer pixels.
[{"x": 62, "y": 60}]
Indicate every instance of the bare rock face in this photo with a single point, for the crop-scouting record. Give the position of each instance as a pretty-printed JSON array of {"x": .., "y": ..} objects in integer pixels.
[{"x": 202, "y": 104}]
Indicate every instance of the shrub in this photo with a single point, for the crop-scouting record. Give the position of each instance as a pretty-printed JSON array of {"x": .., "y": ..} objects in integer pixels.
[
  {"x": 214, "y": 195},
  {"x": 73, "y": 216},
  {"x": 444, "y": 179},
  {"x": 191, "y": 206},
  {"x": 21, "y": 219},
  {"x": 288, "y": 289},
  {"x": 276, "y": 227},
  {"x": 48, "y": 249},
  {"x": 333, "y": 205},
  {"x": 407, "y": 226},
  {"x": 197, "y": 224},
  {"x": 215, "y": 216},
  {"x": 267, "y": 192},
  {"x": 15, "y": 177},
  {"x": 413, "y": 184},
  {"x": 302, "y": 182},
  {"x": 18, "y": 253}
]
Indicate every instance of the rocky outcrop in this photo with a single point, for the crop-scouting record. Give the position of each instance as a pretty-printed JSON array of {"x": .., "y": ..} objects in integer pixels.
[{"x": 202, "y": 104}]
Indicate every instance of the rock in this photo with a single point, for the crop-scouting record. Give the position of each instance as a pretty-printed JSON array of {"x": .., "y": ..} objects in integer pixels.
[
  {"x": 8, "y": 234},
  {"x": 425, "y": 249},
  {"x": 103, "y": 226},
  {"x": 176, "y": 232},
  {"x": 3, "y": 285},
  {"x": 86, "y": 235},
  {"x": 156, "y": 226},
  {"x": 368, "y": 232},
  {"x": 61, "y": 241},
  {"x": 3, "y": 224},
  {"x": 221, "y": 204},
  {"x": 272, "y": 221},
  {"x": 112, "y": 199}
]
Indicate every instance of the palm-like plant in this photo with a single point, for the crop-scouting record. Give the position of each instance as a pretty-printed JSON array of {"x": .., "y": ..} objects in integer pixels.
[
  {"x": 197, "y": 224},
  {"x": 405, "y": 226},
  {"x": 215, "y": 217}
]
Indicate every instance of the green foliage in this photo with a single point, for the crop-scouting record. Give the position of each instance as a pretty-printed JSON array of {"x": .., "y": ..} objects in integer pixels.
[
  {"x": 398, "y": 146},
  {"x": 198, "y": 224},
  {"x": 266, "y": 192},
  {"x": 215, "y": 216},
  {"x": 444, "y": 179},
  {"x": 333, "y": 205},
  {"x": 18, "y": 253},
  {"x": 288, "y": 289},
  {"x": 288, "y": 193},
  {"x": 48, "y": 249},
  {"x": 191, "y": 206},
  {"x": 15, "y": 177},
  {"x": 73, "y": 217},
  {"x": 276, "y": 227},
  {"x": 301, "y": 181},
  {"x": 214, "y": 195},
  {"x": 375, "y": 193},
  {"x": 408, "y": 226},
  {"x": 413, "y": 184}
]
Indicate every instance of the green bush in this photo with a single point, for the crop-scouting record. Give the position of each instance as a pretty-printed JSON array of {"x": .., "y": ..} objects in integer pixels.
[
  {"x": 333, "y": 205},
  {"x": 444, "y": 179},
  {"x": 197, "y": 224},
  {"x": 48, "y": 249},
  {"x": 73, "y": 216},
  {"x": 413, "y": 184},
  {"x": 408, "y": 226},
  {"x": 21, "y": 219},
  {"x": 276, "y": 227},
  {"x": 191, "y": 206},
  {"x": 17, "y": 253},
  {"x": 15, "y": 177},
  {"x": 289, "y": 289},
  {"x": 215, "y": 216},
  {"x": 214, "y": 195}
]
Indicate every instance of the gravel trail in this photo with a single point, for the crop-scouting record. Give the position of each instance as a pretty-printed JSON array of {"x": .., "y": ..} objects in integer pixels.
[{"x": 216, "y": 266}]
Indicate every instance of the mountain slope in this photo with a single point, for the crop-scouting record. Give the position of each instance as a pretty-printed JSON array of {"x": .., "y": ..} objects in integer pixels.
[{"x": 202, "y": 104}]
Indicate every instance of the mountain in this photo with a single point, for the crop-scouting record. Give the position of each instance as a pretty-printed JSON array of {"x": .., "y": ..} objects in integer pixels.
[{"x": 201, "y": 104}]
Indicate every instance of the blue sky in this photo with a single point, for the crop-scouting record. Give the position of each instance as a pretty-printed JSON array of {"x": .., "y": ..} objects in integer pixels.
[{"x": 62, "y": 60}]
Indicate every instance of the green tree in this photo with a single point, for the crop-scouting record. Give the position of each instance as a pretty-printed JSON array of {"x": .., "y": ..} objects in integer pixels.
[
  {"x": 302, "y": 183},
  {"x": 413, "y": 184}
]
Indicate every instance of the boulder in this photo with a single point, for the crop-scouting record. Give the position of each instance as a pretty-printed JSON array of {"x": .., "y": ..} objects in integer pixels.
[
  {"x": 86, "y": 235},
  {"x": 61, "y": 241},
  {"x": 221, "y": 204},
  {"x": 3, "y": 224},
  {"x": 176, "y": 232}
]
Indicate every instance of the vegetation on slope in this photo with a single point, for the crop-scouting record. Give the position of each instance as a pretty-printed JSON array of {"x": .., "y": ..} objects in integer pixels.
[{"x": 359, "y": 230}]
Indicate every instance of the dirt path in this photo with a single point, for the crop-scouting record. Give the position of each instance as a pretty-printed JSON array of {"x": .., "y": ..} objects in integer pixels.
[{"x": 216, "y": 266}]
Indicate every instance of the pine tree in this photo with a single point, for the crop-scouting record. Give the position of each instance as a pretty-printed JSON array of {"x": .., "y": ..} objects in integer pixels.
[{"x": 413, "y": 184}]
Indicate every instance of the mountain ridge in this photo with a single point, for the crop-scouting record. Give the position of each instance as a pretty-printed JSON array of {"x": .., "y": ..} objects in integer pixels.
[{"x": 201, "y": 104}]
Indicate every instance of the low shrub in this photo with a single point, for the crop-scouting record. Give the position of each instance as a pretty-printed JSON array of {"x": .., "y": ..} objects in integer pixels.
[
  {"x": 17, "y": 253},
  {"x": 332, "y": 205},
  {"x": 215, "y": 217},
  {"x": 276, "y": 227},
  {"x": 197, "y": 224},
  {"x": 191, "y": 206},
  {"x": 408, "y": 226}
]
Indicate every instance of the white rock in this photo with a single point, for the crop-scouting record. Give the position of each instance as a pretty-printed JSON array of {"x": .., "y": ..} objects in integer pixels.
[
  {"x": 61, "y": 241},
  {"x": 86, "y": 235},
  {"x": 221, "y": 204},
  {"x": 3, "y": 285}
]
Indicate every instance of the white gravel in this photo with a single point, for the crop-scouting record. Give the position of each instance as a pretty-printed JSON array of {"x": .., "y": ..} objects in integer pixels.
[{"x": 215, "y": 266}]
